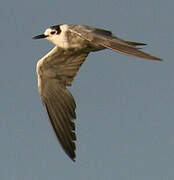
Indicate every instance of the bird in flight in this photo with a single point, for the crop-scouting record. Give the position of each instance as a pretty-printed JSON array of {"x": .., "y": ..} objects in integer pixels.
[{"x": 57, "y": 69}]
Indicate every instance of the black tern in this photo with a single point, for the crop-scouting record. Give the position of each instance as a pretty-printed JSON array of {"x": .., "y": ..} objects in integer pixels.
[{"x": 57, "y": 69}]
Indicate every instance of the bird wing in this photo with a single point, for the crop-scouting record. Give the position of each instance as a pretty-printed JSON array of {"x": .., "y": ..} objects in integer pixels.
[
  {"x": 55, "y": 71},
  {"x": 106, "y": 39}
]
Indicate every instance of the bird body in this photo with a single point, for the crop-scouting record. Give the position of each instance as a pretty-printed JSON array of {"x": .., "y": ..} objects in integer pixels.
[{"x": 57, "y": 69}]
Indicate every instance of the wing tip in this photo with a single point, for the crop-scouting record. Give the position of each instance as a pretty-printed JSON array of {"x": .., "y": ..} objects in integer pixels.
[
  {"x": 155, "y": 58},
  {"x": 72, "y": 156},
  {"x": 73, "y": 159}
]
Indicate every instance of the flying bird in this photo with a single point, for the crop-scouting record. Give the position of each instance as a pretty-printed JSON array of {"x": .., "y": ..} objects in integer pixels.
[{"x": 57, "y": 69}]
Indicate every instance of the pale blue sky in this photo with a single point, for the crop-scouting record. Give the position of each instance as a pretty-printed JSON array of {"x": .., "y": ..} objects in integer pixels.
[{"x": 125, "y": 106}]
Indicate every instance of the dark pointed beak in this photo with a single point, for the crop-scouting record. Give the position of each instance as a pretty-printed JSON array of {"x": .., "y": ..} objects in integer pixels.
[{"x": 39, "y": 36}]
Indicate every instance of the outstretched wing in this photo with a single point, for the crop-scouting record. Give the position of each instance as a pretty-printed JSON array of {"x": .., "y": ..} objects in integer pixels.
[
  {"x": 55, "y": 71},
  {"x": 105, "y": 39}
]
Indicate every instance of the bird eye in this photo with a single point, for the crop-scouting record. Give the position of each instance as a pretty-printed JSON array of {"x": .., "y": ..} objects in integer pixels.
[{"x": 53, "y": 32}]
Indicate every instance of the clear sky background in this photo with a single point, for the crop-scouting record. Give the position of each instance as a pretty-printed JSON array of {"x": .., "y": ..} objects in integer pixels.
[{"x": 125, "y": 105}]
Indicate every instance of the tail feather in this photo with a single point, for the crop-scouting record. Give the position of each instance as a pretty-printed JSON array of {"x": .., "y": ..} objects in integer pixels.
[{"x": 135, "y": 43}]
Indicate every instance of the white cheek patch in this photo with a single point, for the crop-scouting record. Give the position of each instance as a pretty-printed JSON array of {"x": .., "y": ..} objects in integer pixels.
[{"x": 60, "y": 40}]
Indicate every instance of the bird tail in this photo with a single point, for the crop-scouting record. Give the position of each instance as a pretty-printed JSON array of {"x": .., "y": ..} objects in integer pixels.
[{"x": 135, "y": 43}]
